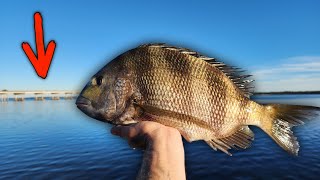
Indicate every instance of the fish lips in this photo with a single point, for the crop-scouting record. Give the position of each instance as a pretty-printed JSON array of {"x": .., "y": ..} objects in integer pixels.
[
  {"x": 85, "y": 106},
  {"x": 83, "y": 103}
]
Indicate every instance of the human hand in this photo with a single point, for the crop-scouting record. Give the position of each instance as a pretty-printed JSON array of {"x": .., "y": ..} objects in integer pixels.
[{"x": 164, "y": 153}]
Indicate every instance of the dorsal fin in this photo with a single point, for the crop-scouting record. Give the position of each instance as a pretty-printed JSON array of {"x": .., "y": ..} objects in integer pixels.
[
  {"x": 240, "y": 139},
  {"x": 234, "y": 74}
]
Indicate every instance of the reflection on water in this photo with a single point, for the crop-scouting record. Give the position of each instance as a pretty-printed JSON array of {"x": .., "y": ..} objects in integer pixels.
[{"x": 52, "y": 139}]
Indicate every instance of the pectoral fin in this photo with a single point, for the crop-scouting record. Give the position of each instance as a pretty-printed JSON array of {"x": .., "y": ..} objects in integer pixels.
[
  {"x": 176, "y": 120},
  {"x": 167, "y": 121}
]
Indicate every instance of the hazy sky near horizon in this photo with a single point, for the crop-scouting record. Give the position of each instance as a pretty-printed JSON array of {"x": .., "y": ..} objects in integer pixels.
[{"x": 276, "y": 41}]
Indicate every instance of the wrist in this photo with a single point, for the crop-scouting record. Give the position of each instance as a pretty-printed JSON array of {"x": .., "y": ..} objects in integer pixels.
[
  {"x": 163, "y": 136},
  {"x": 165, "y": 154}
]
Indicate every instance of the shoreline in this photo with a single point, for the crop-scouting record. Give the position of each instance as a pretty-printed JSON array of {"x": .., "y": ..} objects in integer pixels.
[{"x": 286, "y": 92}]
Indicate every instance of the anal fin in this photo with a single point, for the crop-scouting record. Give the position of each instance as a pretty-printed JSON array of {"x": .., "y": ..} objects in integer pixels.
[
  {"x": 240, "y": 139},
  {"x": 217, "y": 144}
]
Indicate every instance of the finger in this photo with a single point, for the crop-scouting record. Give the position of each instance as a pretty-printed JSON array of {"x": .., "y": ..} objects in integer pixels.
[
  {"x": 115, "y": 130},
  {"x": 125, "y": 131},
  {"x": 138, "y": 141}
]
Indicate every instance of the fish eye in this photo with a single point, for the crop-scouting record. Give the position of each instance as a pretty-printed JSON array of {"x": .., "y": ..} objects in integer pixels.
[{"x": 99, "y": 80}]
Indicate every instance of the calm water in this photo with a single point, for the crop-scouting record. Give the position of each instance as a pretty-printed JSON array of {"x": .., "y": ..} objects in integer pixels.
[{"x": 54, "y": 140}]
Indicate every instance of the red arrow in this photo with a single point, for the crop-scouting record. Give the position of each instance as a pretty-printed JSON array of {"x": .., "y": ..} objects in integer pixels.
[{"x": 41, "y": 63}]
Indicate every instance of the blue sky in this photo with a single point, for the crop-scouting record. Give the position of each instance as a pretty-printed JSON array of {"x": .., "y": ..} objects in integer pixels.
[{"x": 276, "y": 41}]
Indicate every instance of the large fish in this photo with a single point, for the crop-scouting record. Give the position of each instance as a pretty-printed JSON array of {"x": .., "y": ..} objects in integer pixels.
[{"x": 201, "y": 97}]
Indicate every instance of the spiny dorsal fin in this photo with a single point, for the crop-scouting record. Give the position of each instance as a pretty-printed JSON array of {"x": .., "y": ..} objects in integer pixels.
[
  {"x": 234, "y": 73},
  {"x": 240, "y": 139}
]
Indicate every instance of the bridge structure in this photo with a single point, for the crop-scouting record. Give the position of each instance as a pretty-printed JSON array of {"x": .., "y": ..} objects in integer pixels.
[{"x": 38, "y": 95}]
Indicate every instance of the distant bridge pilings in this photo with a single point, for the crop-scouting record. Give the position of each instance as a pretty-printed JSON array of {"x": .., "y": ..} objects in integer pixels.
[
  {"x": 36, "y": 95},
  {"x": 4, "y": 97}
]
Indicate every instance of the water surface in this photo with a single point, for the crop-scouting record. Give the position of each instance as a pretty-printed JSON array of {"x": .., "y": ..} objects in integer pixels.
[{"x": 54, "y": 140}]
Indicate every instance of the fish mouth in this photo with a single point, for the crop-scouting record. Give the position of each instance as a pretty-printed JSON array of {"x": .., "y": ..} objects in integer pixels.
[
  {"x": 83, "y": 103},
  {"x": 85, "y": 106}
]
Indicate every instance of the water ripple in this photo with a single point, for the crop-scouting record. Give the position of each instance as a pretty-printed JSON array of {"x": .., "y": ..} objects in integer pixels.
[{"x": 53, "y": 140}]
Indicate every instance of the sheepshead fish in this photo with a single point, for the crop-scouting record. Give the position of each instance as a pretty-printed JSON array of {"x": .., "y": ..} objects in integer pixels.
[{"x": 201, "y": 97}]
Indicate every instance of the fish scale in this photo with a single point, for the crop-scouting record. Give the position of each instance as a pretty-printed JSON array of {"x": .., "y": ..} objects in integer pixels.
[
  {"x": 201, "y": 97},
  {"x": 196, "y": 85}
]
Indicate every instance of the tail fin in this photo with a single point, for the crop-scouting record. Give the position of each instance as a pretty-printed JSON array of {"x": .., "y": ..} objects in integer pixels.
[{"x": 280, "y": 121}]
